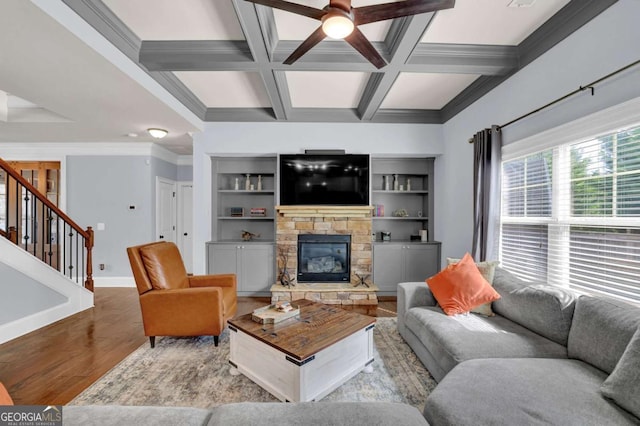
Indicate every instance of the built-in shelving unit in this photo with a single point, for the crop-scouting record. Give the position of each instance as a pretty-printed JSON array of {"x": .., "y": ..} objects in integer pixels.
[
  {"x": 230, "y": 192},
  {"x": 253, "y": 261},
  {"x": 402, "y": 184}
]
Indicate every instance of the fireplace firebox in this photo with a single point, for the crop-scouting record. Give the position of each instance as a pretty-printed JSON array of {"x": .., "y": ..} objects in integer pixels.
[{"x": 324, "y": 258}]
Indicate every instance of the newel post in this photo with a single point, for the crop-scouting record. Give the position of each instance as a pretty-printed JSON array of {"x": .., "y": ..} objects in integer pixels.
[{"x": 88, "y": 243}]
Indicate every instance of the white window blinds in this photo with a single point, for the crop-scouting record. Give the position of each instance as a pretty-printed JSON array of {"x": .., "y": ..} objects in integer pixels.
[{"x": 571, "y": 215}]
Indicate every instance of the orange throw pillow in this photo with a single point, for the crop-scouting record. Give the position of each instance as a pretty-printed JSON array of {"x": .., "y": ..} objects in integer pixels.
[
  {"x": 461, "y": 287},
  {"x": 5, "y": 399}
]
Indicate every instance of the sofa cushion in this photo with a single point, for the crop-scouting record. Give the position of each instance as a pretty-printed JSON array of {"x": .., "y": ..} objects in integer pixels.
[
  {"x": 460, "y": 287},
  {"x": 487, "y": 270},
  {"x": 118, "y": 415},
  {"x": 601, "y": 330},
  {"x": 316, "y": 413},
  {"x": 452, "y": 340},
  {"x": 547, "y": 310},
  {"x": 164, "y": 266},
  {"x": 5, "y": 398},
  {"x": 623, "y": 385},
  {"x": 523, "y": 392}
]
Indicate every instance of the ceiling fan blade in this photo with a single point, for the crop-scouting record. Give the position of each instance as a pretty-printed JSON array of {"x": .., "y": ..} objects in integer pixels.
[
  {"x": 364, "y": 46},
  {"x": 316, "y": 37},
  {"x": 298, "y": 9},
  {"x": 382, "y": 12}
]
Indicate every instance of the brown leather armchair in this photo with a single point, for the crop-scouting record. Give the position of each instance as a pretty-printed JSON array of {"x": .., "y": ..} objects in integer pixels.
[{"x": 175, "y": 304}]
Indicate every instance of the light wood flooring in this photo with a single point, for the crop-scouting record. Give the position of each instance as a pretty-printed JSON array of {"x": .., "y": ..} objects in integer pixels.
[{"x": 54, "y": 364}]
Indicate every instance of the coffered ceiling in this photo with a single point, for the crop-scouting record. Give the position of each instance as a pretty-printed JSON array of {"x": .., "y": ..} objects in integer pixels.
[
  {"x": 223, "y": 58},
  {"x": 106, "y": 70}
]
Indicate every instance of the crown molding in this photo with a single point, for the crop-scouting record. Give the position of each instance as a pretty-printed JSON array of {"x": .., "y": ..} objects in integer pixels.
[
  {"x": 103, "y": 20},
  {"x": 185, "y": 160},
  {"x": 92, "y": 149},
  {"x": 416, "y": 116},
  {"x": 176, "y": 87},
  {"x": 570, "y": 18}
]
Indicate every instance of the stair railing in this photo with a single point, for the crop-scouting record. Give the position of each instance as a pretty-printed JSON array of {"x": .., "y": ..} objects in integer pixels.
[{"x": 34, "y": 223}]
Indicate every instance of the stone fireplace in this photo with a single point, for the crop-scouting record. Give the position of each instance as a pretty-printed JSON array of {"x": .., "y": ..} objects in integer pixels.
[{"x": 306, "y": 222}]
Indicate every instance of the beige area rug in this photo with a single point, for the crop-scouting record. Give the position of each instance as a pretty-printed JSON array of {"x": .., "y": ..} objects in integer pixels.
[{"x": 192, "y": 372}]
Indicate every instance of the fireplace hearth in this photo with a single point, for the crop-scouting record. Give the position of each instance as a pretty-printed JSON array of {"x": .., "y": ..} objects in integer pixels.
[{"x": 324, "y": 258}]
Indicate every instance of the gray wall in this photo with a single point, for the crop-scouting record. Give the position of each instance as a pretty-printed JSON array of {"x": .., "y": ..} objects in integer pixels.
[
  {"x": 605, "y": 44},
  {"x": 101, "y": 189},
  {"x": 32, "y": 296},
  {"x": 185, "y": 173}
]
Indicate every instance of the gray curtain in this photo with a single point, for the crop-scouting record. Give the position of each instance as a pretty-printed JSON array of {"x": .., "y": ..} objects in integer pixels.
[{"x": 487, "y": 153}]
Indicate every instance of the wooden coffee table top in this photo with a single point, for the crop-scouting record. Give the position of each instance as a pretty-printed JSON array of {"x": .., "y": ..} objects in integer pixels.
[{"x": 317, "y": 327}]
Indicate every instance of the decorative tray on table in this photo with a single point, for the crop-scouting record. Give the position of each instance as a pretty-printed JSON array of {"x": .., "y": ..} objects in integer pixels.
[{"x": 273, "y": 314}]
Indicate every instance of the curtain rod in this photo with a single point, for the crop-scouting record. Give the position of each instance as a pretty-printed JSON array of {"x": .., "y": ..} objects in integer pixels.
[{"x": 589, "y": 86}]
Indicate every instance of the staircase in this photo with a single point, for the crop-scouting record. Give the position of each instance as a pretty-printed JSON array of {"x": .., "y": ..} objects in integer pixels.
[{"x": 45, "y": 259}]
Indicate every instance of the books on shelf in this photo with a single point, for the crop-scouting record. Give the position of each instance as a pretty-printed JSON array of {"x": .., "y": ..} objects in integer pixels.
[
  {"x": 378, "y": 210},
  {"x": 236, "y": 211},
  {"x": 258, "y": 211}
]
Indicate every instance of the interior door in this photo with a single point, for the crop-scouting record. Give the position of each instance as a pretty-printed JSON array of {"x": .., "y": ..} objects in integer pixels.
[
  {"x": 185, "y": 223},
  {"x": 165, "y": 210}
]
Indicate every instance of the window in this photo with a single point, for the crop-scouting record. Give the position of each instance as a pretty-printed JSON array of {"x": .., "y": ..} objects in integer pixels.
[{"x": 571, "y": 215}]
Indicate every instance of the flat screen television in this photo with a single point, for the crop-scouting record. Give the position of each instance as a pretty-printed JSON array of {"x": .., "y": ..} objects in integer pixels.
[{"x": 325, "y": 179}]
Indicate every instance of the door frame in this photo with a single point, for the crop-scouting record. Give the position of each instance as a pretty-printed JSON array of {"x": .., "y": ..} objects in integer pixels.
[
  {"x": 181, "y": 218},
  {"x": 159, "y": 180}
]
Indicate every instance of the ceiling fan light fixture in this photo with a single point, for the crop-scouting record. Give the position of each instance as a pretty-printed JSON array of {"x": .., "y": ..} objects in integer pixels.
[
  {"x": 157, "y": 133},
  {"x": 337, "y": 24}
]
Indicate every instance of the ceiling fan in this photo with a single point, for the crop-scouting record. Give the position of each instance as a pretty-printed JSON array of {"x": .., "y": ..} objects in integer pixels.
[{"x": 340, "y": 21}]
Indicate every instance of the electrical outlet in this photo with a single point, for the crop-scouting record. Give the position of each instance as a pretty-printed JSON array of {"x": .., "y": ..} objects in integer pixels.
[{"x": 102, "y": 266}]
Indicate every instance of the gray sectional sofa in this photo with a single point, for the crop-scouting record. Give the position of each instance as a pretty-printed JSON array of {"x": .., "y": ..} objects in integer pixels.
[
  {"x": 249, "y": 413},
  {"x": 542, "y": 359}
]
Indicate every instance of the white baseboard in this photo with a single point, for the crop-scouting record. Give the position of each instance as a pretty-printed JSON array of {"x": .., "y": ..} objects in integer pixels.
[
  {"x": 22, "y": 326},
  {"x": 114, "y": 282}
]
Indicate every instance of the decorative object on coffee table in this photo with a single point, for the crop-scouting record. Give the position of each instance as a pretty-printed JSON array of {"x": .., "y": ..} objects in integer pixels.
[
  {"x": 248, "y": 236},
  {"x": 273, "y": 314}
]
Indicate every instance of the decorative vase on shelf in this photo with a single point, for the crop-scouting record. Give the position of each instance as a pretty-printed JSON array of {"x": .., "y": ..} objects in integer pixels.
[
  {"x": 247, "y": 182},
  {"x": 236, "y": 186},
  {"x": 396, "y": 183},
  {"x": 259, "y": 182},
  {"x": 408, "y": 184},
  {"x": 386, "y": 186}
]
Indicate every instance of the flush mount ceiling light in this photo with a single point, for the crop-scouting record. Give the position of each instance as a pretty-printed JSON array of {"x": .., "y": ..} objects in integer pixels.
[{"x": 157, "y": 133}]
